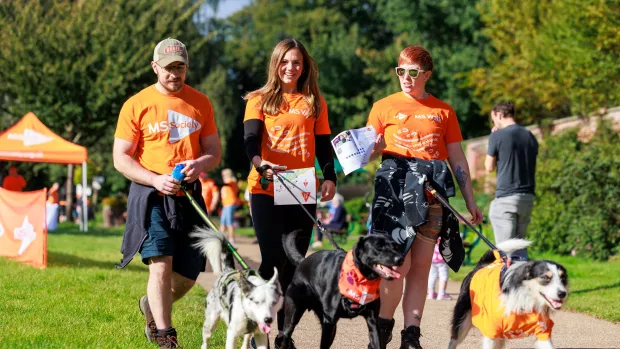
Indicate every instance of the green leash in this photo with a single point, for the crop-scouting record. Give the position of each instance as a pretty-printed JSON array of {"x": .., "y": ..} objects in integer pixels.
[{"x": 205, "y": 218}]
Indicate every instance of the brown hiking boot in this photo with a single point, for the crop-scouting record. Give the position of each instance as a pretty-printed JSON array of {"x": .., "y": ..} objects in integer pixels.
[
  {"x": 150, "y": 330},
  {"x": 167, "y": 339}
]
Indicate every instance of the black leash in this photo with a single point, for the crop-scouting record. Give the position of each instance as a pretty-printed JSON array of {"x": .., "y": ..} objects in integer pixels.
[
  {"x": 316, "y": 221},
  {"x": 444, "y": 202}
]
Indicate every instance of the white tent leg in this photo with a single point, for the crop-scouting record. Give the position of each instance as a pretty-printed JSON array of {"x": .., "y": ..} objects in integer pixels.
[{"x": 84, "y": 199}]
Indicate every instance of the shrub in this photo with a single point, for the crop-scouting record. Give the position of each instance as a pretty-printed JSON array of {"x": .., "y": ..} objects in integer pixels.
[{"x": 577, "y": 192}]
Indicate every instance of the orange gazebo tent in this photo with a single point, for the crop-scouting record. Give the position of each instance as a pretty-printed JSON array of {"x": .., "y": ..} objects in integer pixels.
[{"x": 29, "y": 140}]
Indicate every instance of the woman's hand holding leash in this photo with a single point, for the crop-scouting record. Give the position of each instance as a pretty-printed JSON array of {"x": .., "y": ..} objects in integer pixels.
[
  {"x": 476, "y": 214},
  {"x": 266, "y": 169}
]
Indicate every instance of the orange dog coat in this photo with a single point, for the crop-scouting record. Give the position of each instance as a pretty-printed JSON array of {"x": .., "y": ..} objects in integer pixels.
[
  {"x": 353, "y": 285},
  {"x": 487, "y": 313}
]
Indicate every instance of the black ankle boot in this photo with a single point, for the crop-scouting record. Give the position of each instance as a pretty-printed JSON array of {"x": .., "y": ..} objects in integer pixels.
[
  {"x": 385, "y": 332},
  {"x": 410, "y": 338}
]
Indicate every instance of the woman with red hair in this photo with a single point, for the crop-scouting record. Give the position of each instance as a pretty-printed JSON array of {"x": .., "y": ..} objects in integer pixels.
[{"x": 416, "y": 133}]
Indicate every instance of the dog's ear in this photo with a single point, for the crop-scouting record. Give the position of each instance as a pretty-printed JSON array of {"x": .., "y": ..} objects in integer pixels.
[
  {"x": 244, "y": 284},
  {"x": 274, "y": 278},
  {"x": 528, "y": 271}
]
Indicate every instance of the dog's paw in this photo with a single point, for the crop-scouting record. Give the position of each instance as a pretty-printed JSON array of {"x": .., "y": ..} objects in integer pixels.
[{"x": 350, "y": 278}]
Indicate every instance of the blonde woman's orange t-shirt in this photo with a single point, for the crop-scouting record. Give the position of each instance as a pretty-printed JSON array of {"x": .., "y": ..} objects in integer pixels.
[
  {"x": 230, "y": 194},
  {"x": 487, "y": 311},
  {"x": 415, "y": 128},
  {"x": 288, "y": 138},
  {"x": 167, "y": 128}
]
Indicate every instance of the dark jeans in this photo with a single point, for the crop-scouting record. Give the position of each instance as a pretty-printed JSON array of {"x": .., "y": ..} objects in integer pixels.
[{"x": 270, "y": 223}]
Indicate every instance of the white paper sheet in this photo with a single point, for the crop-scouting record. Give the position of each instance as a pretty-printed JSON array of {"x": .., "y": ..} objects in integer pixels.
[
  {"x": 302, "y": 182},
  {"x": 353, "y": 147}
]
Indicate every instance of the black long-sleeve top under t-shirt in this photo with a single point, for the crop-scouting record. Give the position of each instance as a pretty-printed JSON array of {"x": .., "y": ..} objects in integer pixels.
[{"x": 252, "y": 136}]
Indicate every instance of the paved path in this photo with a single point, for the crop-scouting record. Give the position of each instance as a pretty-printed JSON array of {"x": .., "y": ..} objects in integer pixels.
[{"x": 571, "y": 330}]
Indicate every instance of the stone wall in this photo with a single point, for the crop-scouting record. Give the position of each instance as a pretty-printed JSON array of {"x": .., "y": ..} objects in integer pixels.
[{"x": 476, "y": 148}]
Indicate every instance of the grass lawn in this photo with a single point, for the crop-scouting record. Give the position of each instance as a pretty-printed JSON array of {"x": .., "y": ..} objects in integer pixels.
[{"x": 82, "y": 301}]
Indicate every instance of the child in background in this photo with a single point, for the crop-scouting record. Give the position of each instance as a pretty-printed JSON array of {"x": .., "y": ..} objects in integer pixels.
[{"x": 439, "y": 268}]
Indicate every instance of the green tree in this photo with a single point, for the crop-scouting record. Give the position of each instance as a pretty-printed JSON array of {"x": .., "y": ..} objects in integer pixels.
[
  {"x": 552, "y": 58},
  {"x": 74, "y": 63}
]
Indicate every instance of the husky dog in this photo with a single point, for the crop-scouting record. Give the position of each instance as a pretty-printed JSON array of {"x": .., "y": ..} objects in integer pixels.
[
  {"x": 506, "y": 302},
  {"x": 241, "y": 298}
]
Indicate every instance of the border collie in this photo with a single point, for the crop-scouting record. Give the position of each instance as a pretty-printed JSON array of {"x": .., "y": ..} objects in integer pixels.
[{"x": 509, "y": 302}]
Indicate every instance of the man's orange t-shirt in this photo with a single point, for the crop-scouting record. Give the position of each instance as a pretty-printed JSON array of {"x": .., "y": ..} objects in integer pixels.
[
  {"x": 208, "y": 190},
  {"x": 487, "y": 312},
  {"x": 167, "y": 128},
  {"x": 415, "y": 128},
  {"x": 288, "y": 138},
  {"x": 230, "y": 194},
  {"x": 14, "y": 183}
]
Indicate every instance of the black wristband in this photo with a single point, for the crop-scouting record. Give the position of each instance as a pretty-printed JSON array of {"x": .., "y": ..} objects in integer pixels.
[{"x": 261, "y": 169}]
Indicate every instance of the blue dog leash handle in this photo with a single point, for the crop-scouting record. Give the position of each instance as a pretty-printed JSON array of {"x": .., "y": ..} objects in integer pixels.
[{"x": 176, "y": 172}]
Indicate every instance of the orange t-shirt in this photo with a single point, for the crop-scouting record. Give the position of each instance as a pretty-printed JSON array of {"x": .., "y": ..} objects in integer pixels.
[
  {"x": 487, "y": 312},
  {"x": 14, "y": 183},
  {"x": 167, "y": 128},
  {"x": 415, "y": 128},
  {"x": 230, "y": 194},
  {"x": 288, "y": 138},
  {"x": 208, "y": 189}
]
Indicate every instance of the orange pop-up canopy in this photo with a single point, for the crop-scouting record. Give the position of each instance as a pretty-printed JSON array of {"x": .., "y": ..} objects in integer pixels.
[{"x": 29, "y": 140}]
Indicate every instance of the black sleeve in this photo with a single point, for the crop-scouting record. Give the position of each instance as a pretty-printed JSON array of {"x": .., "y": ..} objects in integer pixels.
[
  {"x": 252, "y": 132},
  {"x": 325, "y": 157}
]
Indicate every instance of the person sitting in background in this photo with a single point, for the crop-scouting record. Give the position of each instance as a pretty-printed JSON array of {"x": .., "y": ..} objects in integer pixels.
[
  {"x": 210, "y": 192},
  {"x": 14, "y": 181},
  {"x": 335, "y": 220}
]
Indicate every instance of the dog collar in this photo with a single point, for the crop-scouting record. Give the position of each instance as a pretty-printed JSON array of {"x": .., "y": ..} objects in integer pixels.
[{"x": 353, "y": 285}]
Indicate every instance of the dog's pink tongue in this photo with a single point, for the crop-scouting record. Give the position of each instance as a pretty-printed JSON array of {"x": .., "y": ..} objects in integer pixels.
[
  {"x": 556, "y": 304},
  {"x": 264, "y": 328}
]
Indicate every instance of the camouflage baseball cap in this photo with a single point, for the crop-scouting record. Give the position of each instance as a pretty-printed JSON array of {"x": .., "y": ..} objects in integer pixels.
[{"x": 170, "y": 50}]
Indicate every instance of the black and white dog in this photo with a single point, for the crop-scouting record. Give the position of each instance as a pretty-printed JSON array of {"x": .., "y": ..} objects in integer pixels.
[
  {"x": 317, "y": 285},
  {"x": 509, "y": 302},
  {"x": 242, "y": 299}
]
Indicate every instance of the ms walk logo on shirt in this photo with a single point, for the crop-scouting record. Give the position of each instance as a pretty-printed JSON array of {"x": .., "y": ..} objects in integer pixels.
[{"x": 178, "y": 125}]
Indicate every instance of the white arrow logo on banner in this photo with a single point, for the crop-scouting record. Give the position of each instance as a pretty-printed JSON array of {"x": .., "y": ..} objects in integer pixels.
[{"x": 26, "y": 234}]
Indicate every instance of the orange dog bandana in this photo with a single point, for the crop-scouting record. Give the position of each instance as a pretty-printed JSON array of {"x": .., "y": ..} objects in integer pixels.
[{"x": 353, "y": 285}]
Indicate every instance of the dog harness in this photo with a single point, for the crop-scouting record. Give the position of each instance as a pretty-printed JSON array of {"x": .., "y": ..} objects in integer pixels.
[
  {"x": 487, "y": 312},
  {"x": 354, "y": 286},
  {"x": 234, "y": 276}
]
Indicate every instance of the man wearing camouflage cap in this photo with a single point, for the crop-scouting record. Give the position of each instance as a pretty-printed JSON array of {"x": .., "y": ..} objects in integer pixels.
[{"x": 165, "y": 124}]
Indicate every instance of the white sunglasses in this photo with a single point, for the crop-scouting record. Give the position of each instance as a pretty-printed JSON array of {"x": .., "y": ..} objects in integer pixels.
[{"x": 413, "y": 72}]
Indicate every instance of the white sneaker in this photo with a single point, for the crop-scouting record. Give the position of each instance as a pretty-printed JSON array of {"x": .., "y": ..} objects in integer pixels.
[{"x": 317, "y": 244}]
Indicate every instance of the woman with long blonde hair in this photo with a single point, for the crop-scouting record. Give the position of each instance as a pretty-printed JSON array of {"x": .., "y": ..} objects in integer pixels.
[{"x": 285, "y": 125}]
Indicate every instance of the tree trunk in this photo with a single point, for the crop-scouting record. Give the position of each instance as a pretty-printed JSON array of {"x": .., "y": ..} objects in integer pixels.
[{"x": 69, "y": 190}]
